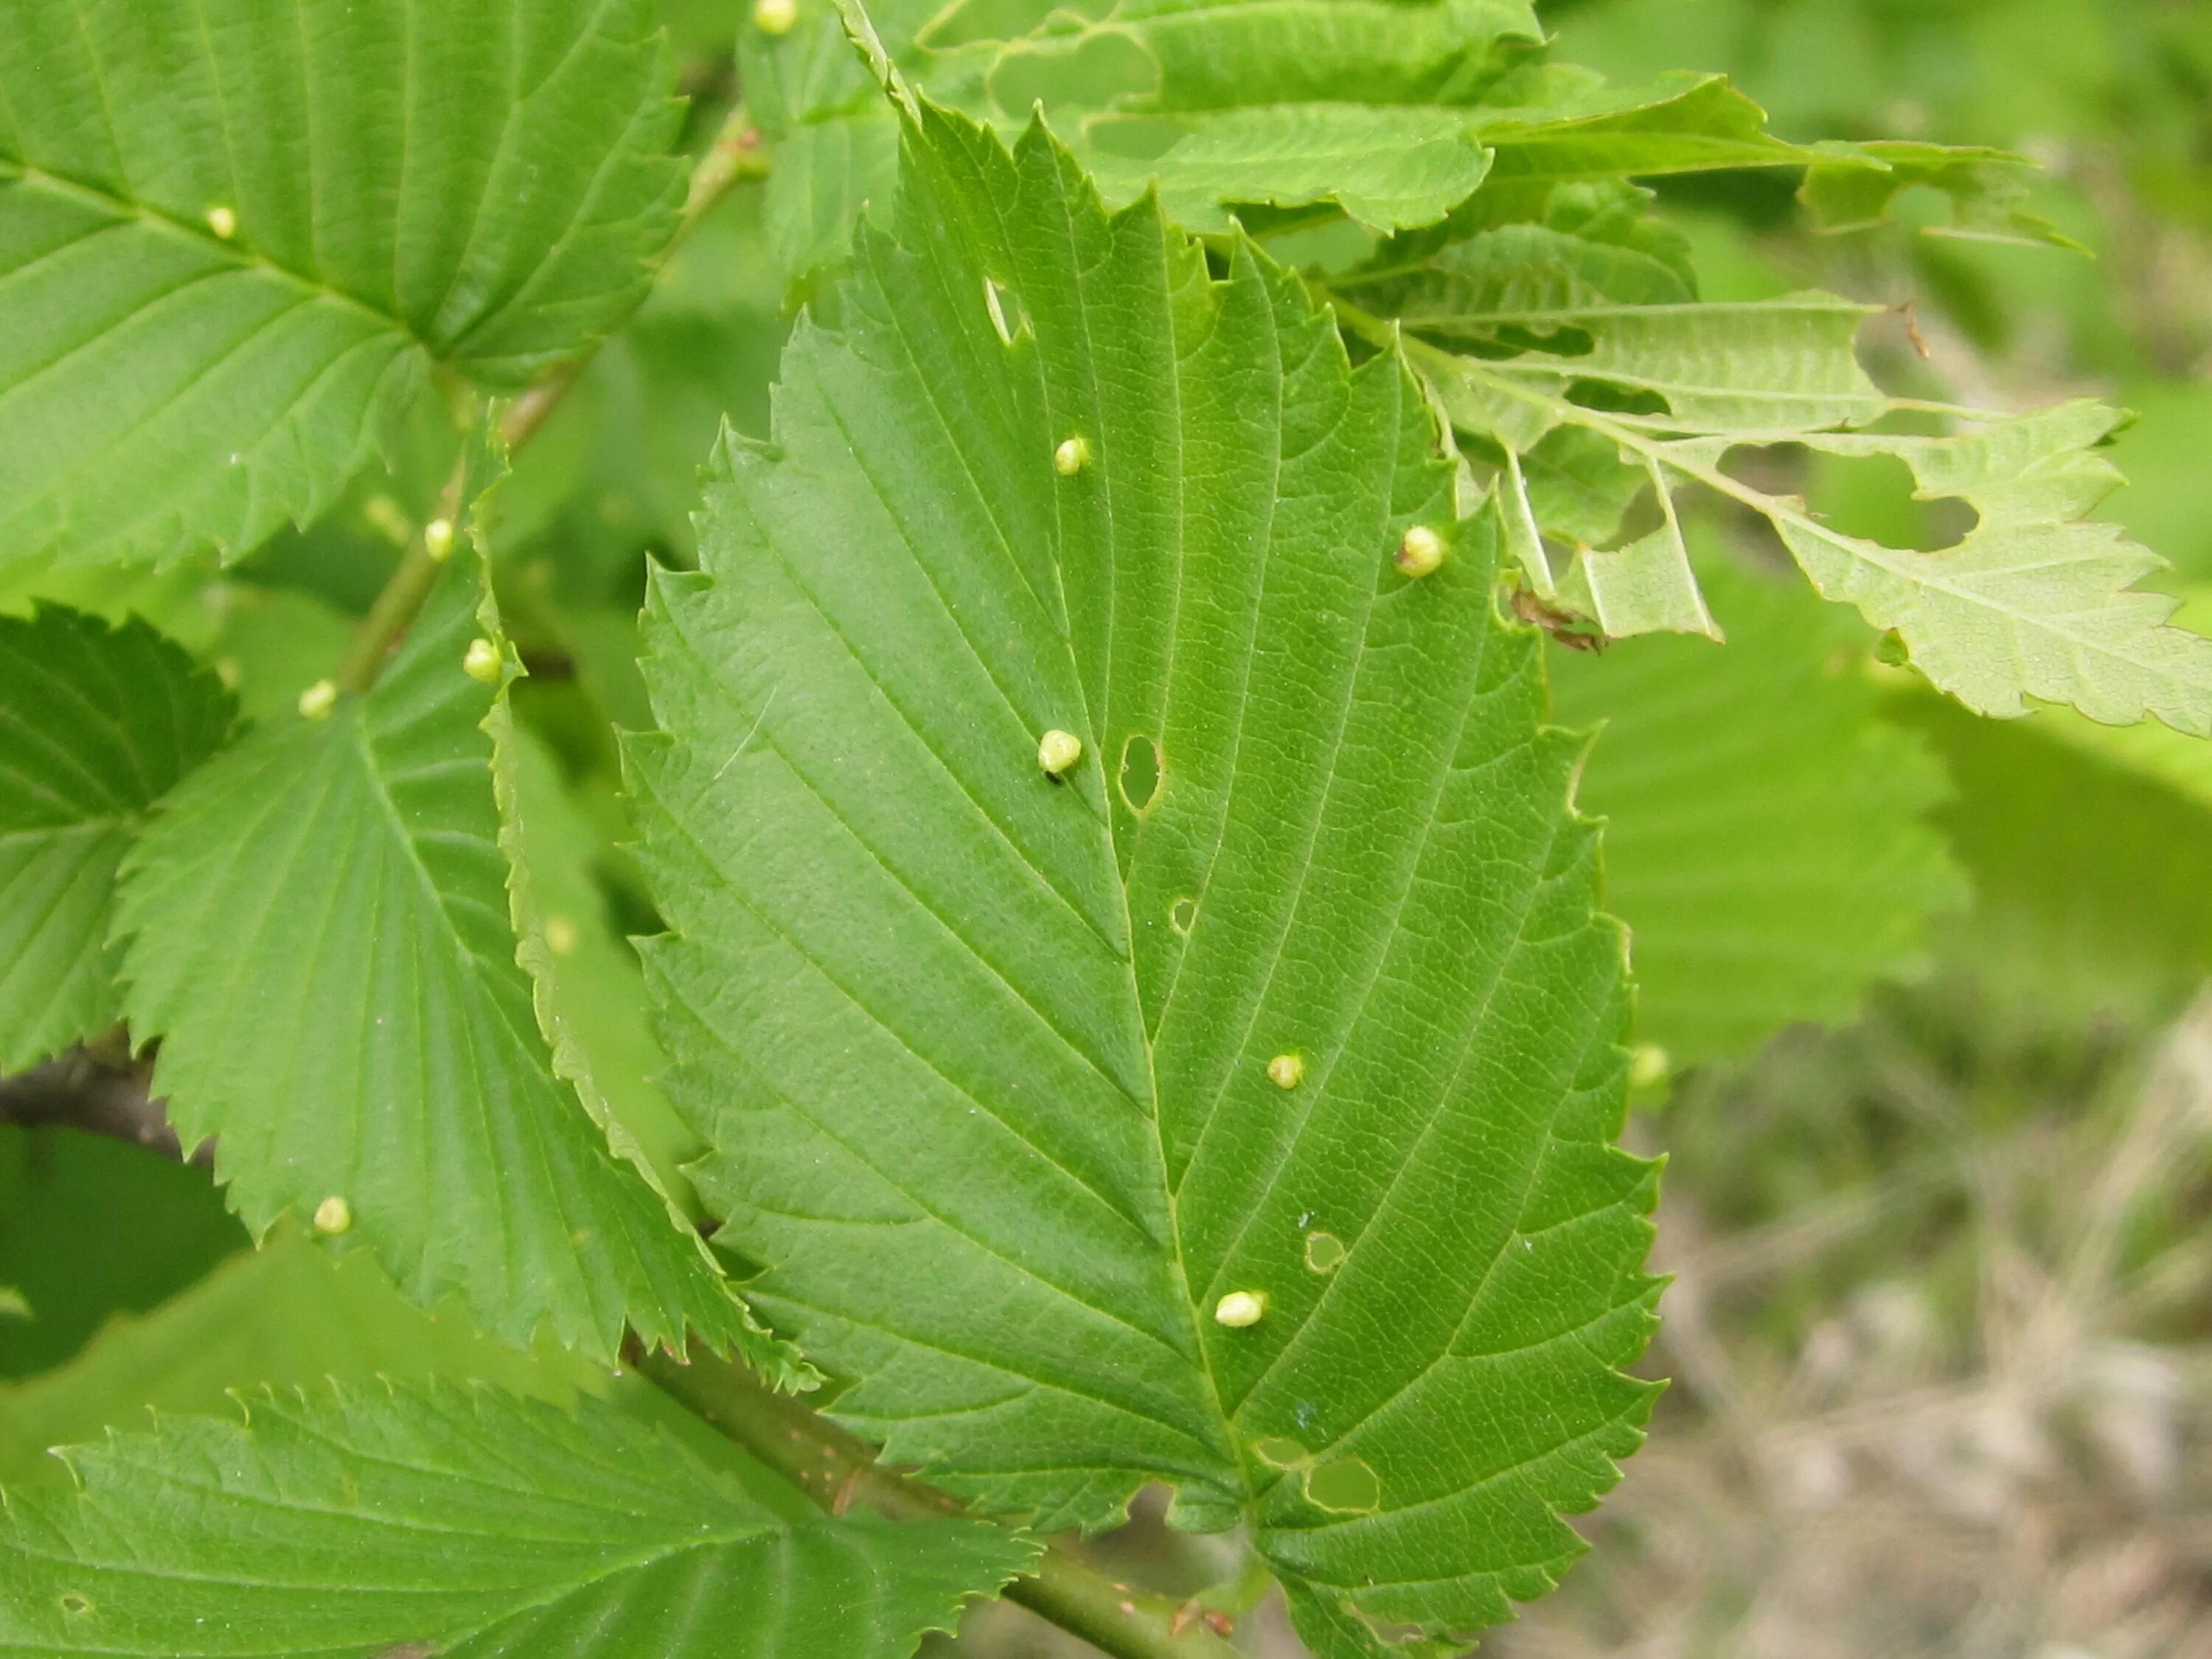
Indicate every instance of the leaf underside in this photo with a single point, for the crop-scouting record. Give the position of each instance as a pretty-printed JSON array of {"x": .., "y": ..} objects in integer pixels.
[
  {"x": 319, "y": 931},
  {"x": 96, "y": 723},
  {"x": 235, "y": 233},
  {"x": 360, "y": 1524},
  {"x": 982, "y": 1056}
]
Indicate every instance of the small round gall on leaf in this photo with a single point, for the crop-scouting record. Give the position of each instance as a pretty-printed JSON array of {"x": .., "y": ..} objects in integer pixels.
[
  {"x": 482, "y": 661},
  {"x": 1239, "y": 1308},
  {"x": 333, "y": 1215},
  {"x": 223, "y": 221},
  {"x": 1287, "y": 1071},
  {"x": 1648, "y": 1066},
  {"x": 1070, "y": 457},
  {"x": 1421, "y": 552},
  {"x": 1057, "y": 750},
  {"x": 438, "y": 540},
  {"x": 560, "y": 936},
  {"x": 318, "y": 699},
  {"x": 775, "y": 16}
]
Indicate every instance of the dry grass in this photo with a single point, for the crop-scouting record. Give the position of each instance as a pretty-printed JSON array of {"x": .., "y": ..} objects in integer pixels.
[{"x": 1981, "y": 1425}]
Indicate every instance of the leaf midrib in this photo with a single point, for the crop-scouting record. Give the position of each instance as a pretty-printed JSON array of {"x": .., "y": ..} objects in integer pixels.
[{"x": 1177, "y": 1257}]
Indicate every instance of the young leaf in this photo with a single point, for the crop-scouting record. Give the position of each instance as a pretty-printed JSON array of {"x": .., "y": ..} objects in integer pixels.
[
  {"x": 232, "y": 241},
  {"x": 318, "y": 933},
  {"x": 96, "y": 723},
  {"x": 1134, "y": 959},
  {"x": 1766, "y": 837},
  {"x": 369, "y": 1521}
]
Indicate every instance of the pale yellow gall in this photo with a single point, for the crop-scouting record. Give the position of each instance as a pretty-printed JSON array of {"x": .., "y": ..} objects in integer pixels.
[
  {"x": 318, "y": 699},
  {"x": 1240, "y": 1308},
  {"x": 437, "y": 540},
  {"x": 1420, "y": 552},
  {"x": 1287, "y": 1071},
  {"x": 560, "y": 935},
  {"x": 775, "y": 16},
  {"x": 1070, "y": 457},
  {"x": 482, "y": 661},
  {"x": 223, "y": 221},
  {"x": 1648, "y": 1066},
  {"x": 333, "y": 1215},
  {"x": 1057, "y": 750}
]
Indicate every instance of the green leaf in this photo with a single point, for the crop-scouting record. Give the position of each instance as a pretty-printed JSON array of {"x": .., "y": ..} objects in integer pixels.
[
  {"x": 289, "y": 1316},
  {"x": 984, "y": 1056},
  {"x": 1387, "y": 167},
  {"x": 13, "y": 1303},
  {"x": 232, "y": 242},
  {"x": 1577, "y": 131},
  {"x": 1767, "y": 835},
  {"x": 319, "y": 931},
  {"x": 92, "y": 1226},
  {"x": 586, "y": 984},
  {"x": 1362, "y": 105},
  {"x": 359, "y": 1522},
  {"x": 96, "y": 723}
]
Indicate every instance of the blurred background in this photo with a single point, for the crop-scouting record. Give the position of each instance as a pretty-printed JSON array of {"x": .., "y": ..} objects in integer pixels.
[{"x": 1924, "y": 1029}]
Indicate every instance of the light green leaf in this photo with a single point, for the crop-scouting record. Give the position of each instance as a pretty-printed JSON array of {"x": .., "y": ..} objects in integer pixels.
[
  {"x": 288, "y": 1315},
  {"x": 96, "y": 723},
  {"x": 984, "y": 1056},
  {"x": 1986, "y": 187},
  {"x": 319, "y": 931},
  {"x": 1385, "y": 167},
  {"x": 364, "y": 1523},
  {"x": 13, "y": 1303},
  {"x": 2032, "y": 603},
  {"x": 232, "y": 241},
  {"x": 1767, "y": 838},
  {"x": 1768, "y": 367}
]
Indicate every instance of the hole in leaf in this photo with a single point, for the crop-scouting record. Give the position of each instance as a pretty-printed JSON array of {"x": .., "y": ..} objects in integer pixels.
[
  {"x": 1325, "y": 1252},
  {"x": 1182, "y": 914},
  {"x": 1344, "y": 1485},
  {"x": 1004, "y": 305},
  {"x": 1873, "y": 497},
  {"x": 75, "y": 1604},
  {"x": 1141, "y": 772},
  {"x": 1279, "y": 1453},
  {"x": 1614, "y": 399}
]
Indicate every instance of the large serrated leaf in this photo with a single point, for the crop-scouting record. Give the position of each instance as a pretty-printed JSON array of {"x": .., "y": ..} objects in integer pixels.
[
  {"x": 1767, "y": 838},
  {"x": 985, "y": 1055},
  {"x": 96, "y": 723},
  {"x": 319, "y": 931},
  {"x": 361, "y": 1524},
  {"x": 234, "y": 236}
]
